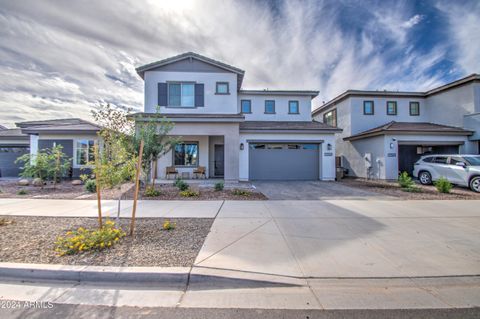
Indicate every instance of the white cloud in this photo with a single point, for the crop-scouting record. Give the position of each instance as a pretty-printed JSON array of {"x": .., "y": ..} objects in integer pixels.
[{"x": 60, "y": 58}]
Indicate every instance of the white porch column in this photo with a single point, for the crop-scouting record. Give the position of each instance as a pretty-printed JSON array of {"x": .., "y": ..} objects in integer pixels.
[{"x": 33, "y": 147}]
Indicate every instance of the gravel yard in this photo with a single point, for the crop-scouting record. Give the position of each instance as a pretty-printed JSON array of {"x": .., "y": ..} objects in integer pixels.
[
  {"x": 393, "y": 189},
  {"x": 170, "y": 192},
  {"x": 63, "y": 190},
  {"x": 31, "y": 240}
]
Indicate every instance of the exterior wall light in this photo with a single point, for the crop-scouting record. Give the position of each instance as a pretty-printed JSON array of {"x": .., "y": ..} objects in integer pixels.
[
  {"x": 329, "y": 147},
  {"x": 241, "y": 146},
  {"x": 391, "y": 146}
]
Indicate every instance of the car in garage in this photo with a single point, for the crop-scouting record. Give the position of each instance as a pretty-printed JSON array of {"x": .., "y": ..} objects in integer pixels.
[{"x": 462, "y": 170}]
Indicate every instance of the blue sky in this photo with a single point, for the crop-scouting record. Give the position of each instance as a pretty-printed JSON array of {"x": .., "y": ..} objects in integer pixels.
[{"x": 62, "y": 58}]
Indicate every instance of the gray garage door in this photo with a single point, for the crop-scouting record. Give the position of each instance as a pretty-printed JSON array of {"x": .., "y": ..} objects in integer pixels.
[
  {"x": 281, "y": 161},
  {"x": 8, "y": 155}
]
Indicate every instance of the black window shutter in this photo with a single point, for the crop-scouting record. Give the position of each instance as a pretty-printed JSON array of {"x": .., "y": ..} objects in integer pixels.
[
  {"x": 199, "y": 95},
  {"x": 162, "y": 94}
]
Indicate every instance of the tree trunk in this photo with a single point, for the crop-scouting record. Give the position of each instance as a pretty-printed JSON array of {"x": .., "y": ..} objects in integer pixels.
[
  {"x": 137, "y": 186},
  {"x": 154, "y": 172},
  {"x": 97, "y": 183}
]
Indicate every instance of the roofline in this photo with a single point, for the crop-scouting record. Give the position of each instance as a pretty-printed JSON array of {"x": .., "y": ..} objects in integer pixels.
[
  {"x": 58, "y": 131},
  {"x": 466, "y": 80},
  {"x": 141, "y": 69},
  {"x": 291, "y": 130},
  {"x": 403, "y": 132},
  {"x": 190, "y": 118},
  {"x": 25, "y": 123},
  {"x": 311, "y": 93}
]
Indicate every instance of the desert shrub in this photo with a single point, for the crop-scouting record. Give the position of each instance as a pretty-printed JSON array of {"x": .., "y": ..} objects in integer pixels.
[
  {"x": 443, "y": 185},
  {"x": 241, "y": 192},
  {"x": 177, "y": 181},
  {"x": 189, "y": 193},
  {"x": 219, "y": 186},
  {"x": 183, "y": 186},
  {"x": 22, "y": 192},
  {"x": 150, "y": 191},
  {"x": 405, "y": 181},
  {"x": 83, "y": 239},
  {"x": 168, "y": 225},
  {"x": 90, "y": 186}
]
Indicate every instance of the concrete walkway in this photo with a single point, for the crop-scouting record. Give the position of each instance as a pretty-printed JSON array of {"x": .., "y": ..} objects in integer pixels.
[{"x": 88, "y": 208}]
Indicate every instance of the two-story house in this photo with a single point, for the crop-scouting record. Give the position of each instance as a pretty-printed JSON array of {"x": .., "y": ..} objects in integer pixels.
[
  {"x": 233, "y": 133},
  {"x": 386, "y": 132}
]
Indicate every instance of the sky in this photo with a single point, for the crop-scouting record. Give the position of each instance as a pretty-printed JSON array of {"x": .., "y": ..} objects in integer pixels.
[{"x": 60, "y": 59}]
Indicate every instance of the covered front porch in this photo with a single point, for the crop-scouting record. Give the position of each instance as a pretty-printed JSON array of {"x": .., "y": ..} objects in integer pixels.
[{"x": 195, "y": 157}]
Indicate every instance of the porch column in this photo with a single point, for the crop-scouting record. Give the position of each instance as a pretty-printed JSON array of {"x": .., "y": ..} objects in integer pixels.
[{"x": 231, "y": 162}]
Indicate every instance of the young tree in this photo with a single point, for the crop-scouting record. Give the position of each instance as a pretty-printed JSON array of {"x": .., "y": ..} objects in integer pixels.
[
  {"x": 48, "y": 164},
  {"x": 153, "y": 131}
]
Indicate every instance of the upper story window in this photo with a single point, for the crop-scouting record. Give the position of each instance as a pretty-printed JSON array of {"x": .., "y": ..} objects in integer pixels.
[
  {"x": 368, "y": 108},
  {"x": 391, "y": 108},
  {"x": 330, "y": 118},
  {"x": 293, "y": 107},
  {"x": 181, "y": 94},
  {"x": 414, "y": 108},
  {"x": 269, "y": 107},
  {"x": 84, "y": 152},
  {"x": 222, "y": 88},
  {"x": 246, "y": 106}
]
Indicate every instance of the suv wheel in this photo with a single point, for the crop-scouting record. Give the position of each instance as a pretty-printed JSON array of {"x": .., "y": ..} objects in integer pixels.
[
  {"x": 425, "y": 178},
  {"x": 475, "y": 184}
]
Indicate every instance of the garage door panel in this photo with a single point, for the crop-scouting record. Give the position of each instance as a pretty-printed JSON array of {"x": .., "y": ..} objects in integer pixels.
[
  {"x": 8, "y": 156},
  {"x": 284, "y": 164}
]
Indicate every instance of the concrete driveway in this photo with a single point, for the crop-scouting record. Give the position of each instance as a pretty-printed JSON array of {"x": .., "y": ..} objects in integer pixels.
[
  {"x": 345, "y": 238},
  {"x": 313, "y": 190}
]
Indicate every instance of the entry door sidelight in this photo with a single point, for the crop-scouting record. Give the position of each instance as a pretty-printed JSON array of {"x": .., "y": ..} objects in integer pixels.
[{"x": 219, "y": 160}]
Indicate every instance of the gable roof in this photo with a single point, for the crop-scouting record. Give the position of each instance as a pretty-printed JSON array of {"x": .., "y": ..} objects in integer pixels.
[
  {"x": 13, "y": 133},
  {"x": 409, "y": 128},
  {"x": 365, "y": 93},
  {"x": 192, "y": 55},
  {"x": 71, "y": 125}
]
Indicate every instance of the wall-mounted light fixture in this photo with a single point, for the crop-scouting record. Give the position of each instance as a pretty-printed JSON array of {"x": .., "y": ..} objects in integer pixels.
[
  {"x": 241, "y": 146},
  {"x": 391, "y": 146},
  {"x": 329, "y": 147}
]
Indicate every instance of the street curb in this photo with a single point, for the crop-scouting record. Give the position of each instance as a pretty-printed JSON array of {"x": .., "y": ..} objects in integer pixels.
[{"x": 153, "y": 275}]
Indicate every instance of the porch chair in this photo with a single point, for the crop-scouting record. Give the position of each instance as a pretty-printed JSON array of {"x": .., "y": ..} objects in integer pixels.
[
  {"x": 200, "y": 171},
  {"x": 170, "y": 170}
]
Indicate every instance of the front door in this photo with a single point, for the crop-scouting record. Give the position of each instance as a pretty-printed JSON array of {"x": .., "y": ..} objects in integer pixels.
[{"x": 219, "y": 160}]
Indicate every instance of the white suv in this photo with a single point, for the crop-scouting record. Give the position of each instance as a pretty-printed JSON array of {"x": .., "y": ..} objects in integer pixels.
[{"x": 463, "y": 170}]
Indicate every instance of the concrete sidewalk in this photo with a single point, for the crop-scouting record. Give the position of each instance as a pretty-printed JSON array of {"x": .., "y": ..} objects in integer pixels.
[{"x": 88, "y": 208}]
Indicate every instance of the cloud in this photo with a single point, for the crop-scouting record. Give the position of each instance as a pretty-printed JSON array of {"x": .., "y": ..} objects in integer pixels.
[{"x": 61, "y": 58}]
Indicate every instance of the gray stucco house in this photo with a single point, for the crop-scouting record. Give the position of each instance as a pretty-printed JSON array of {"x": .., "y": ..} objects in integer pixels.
[
  {"x": 77, "y": 136},
  {"x": 386, "y": 132},
  {"x": 232, "y": 132}
]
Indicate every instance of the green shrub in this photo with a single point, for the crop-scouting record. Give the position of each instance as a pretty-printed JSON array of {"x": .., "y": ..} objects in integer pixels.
[
  {"x": 405, "y": 181},
  {"x": 219, "y": 186},
  {"x": 177, "y": 181},
  {"x": 83, "y": 239},
  {"x": 241, "y": 192},
  {"x": 150, "y": 191},
  {"x": 90, "y": 186},
  {"x": 189, "y": 193},
  {"x": 22, "y": 192},
  {"x": 443, "y": 185},
  {"x": 168, "y": 225},
  {"x": 183, "y": 186}
]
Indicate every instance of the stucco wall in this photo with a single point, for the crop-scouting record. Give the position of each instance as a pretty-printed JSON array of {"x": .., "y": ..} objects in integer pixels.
[
  {"x": 354, "y": 157},
  {"x": 281, "y": 107},
  {"x": 213, "y": 103},
  {"x": 327, "y": 165},
  {"x": 449, "y": 107}
]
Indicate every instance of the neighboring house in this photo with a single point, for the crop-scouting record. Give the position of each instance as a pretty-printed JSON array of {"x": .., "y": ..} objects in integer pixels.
[
  {"x": 386, "y": 132},
  {"x": 77, "y": 137},
  {"x": 235, "y": 134},
  {"x": 13, "y": 144}
]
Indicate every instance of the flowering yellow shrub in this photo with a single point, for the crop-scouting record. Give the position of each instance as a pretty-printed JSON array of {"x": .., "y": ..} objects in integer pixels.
[
  {"x": 167, "y": 225},
  {"x": 83, "y": 239},
  {"x": 189, "y": 193}
]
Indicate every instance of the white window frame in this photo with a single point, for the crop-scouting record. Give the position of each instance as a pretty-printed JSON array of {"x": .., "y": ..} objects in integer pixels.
[
  {"x": 75, "y": 165},
  {"x": 181, "y": 95}
]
